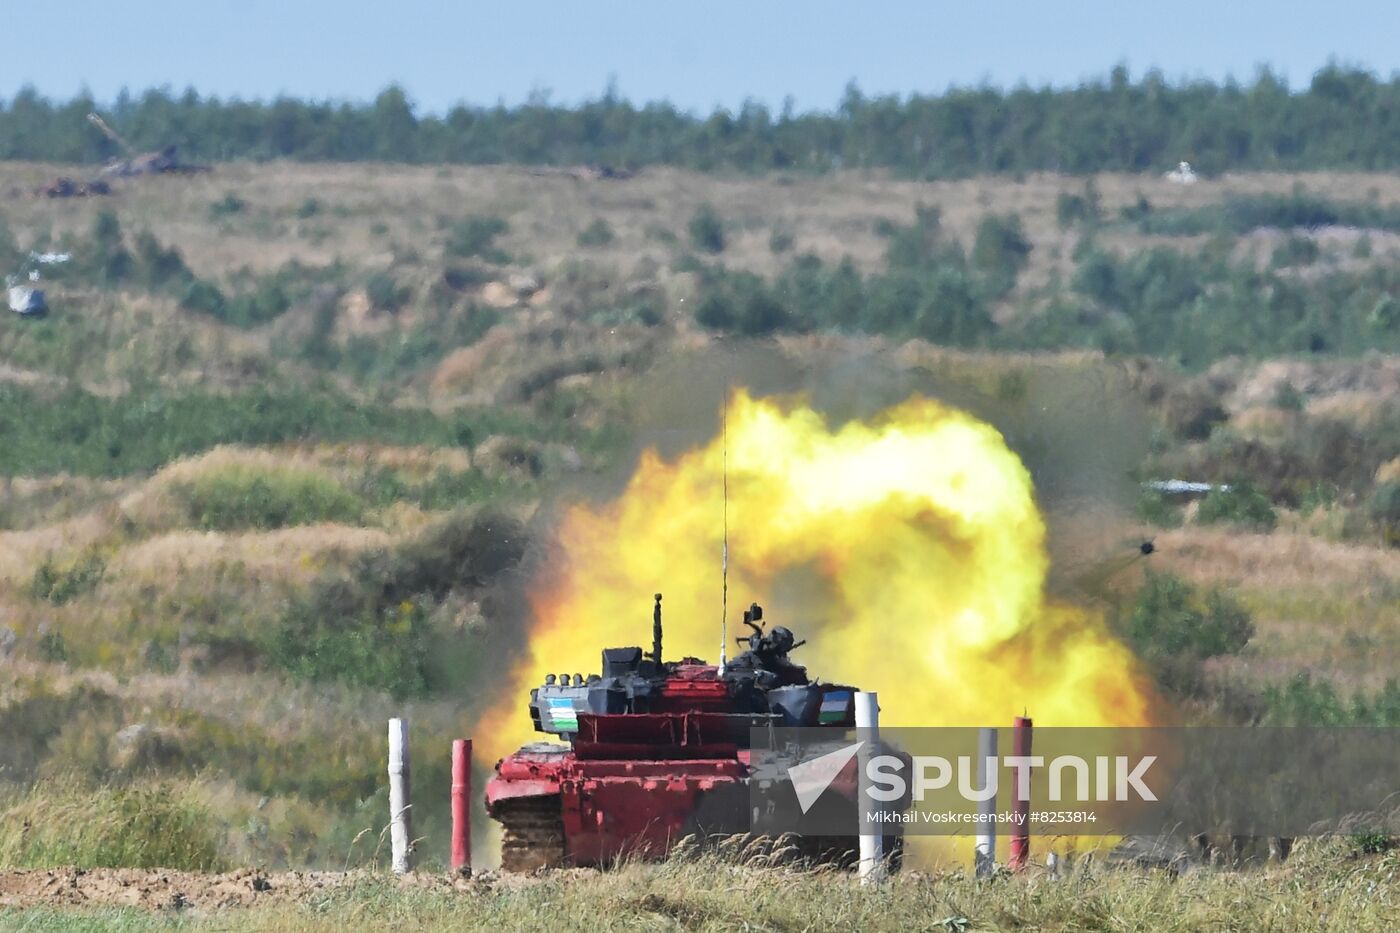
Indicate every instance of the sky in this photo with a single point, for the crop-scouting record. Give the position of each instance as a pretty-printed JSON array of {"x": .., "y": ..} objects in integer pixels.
[{"x": 696, "y": 55}]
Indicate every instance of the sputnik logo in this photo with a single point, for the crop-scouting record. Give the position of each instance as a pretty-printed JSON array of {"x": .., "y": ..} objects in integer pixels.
[{"x": 810, "y": 778}]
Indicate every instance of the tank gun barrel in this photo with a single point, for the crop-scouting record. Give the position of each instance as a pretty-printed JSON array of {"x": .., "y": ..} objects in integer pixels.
[
  {"x": 656, "y": 631},
  {"x": 111, "y": 134}
]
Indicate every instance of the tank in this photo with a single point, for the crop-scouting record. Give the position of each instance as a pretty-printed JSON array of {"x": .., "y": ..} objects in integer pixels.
[{"x": 651, "y": 751}]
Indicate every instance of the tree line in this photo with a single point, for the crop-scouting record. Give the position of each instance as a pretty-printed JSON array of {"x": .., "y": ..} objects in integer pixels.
[{"x": 1345, "y": 118}]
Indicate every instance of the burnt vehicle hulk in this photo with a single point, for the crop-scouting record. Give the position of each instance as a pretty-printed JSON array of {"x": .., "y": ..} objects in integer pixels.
[{"x": 659, "y": 750}]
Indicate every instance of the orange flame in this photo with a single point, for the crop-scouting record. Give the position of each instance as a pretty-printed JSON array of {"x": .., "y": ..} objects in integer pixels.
[{"x": 907, "y": 549}]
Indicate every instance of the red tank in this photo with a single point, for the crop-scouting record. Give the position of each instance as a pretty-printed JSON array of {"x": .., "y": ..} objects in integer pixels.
[{"x": 656, "y": 751}]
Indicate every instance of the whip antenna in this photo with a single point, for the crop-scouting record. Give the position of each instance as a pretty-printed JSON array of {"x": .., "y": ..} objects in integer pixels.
[{"x": 724, "y": 560}]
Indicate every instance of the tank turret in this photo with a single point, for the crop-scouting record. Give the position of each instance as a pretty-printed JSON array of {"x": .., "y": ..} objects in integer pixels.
[{"x": 652, "y": 749}]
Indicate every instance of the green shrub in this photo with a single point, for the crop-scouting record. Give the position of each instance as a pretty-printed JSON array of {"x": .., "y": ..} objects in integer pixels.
[
  {"x": 240, "y": 497},
  {"x": 598, "y": 233},
  {"x": 385, "y": 293},
  {"x": 706, "y": 230},
  {"x": 918, "y": 244},
  {"x": 1287, "y": 398},
  {"x": 59, "y": 583},
  {"x": 53, "y": 647},
  {"x": 779, "y": 241},
  {"x": 1000, "y": 249},
  {"x": 1171, "y": 620},
  {"x": 203, "y": 297},
  {"x": 1074, "y": 209},
  {"x": 1304, "y": 701},
  {"x": 308, "y": 209},
  {"x": 1238, "y": 503},
  {"x": 741, "y": 303},
  {"x": 1384, "y": 509},
  {"x": 1295, "y": 251},
  {"x": 267, "y": 302},
  {"x": 389, "y": 650},
  {"x": 158, "y": 265},
  {"x": 1374, "y": 842},
  {"x": 227, "y": 206},
  {"x": 1240, "y": 214},
  {"x": 1156, "y": 509},
  {"x": 476, "y": 237}
]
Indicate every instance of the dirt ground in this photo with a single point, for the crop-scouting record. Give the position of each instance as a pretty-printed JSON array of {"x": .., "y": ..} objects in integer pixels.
[{"x": 156, "y": 889}]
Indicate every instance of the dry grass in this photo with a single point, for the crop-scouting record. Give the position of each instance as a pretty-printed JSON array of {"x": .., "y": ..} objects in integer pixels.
[
  {"x": 831, "y": 215},
  {"x": 1329, "y": 889}
]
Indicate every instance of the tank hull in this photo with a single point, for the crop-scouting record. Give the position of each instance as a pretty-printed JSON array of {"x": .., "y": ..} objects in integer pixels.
[{"x": 559, "y": 809}]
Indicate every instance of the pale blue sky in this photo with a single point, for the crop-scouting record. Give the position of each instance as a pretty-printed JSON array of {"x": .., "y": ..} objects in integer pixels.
[{"x": 694, "y": 54}]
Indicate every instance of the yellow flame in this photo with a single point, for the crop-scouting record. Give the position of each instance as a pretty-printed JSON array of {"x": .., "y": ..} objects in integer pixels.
[{"x": 908, "y": 550}]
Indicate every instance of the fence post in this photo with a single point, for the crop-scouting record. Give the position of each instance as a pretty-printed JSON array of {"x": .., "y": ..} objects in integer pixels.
[
  {"x": 872, "y": 864},
  {"x": 461, "y": 805},
  {"x": 984, "y": 859},
  {"x": 400, "y": 815},
  {"x": 1020, "y": 849}
]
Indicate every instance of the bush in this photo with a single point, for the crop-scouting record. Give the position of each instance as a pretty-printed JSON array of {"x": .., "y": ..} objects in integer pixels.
[
  {"x": 1384, "y": 509},
  {"x": 1156, "y": 509},
  {"x": 204, "y": 298},
  {"x": 1170, "y": 619},
  {"x": 1174, "y": 629},
  {"x": 1001, "y": 250},
  {"x": 598, "y": 233},
  {"x": 308, "y": 209},
  {"x": 706, "y": 230},
  {"x": 388, "y": 650},
  {"x": 385, "y": 293},
  {"x": 476, "y": 237},
  {"x": 59, "y": 584},
  {"x": 1238, "y": 503},
  {"x": 227, "y": 206},
  {"x": 1295, "y": 251},
  {"x": 1308, "y": 702},
  {"x": 741, "y": 303},
  {"x": 1074, "y": 209},
  {"x": 779, "y": 241},
  {"x": 240, "y": 497},
  {"x": 1287, "y": 398},
  {"x": 157, "y": 265},
  {"x": 267, "y": 302}
]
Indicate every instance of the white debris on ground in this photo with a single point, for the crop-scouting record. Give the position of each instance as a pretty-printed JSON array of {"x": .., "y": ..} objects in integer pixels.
[
  {"x": 1181, "y": 487},
  {"x": 26, "y": 300},
  {"x": 1183, "y": 174}
]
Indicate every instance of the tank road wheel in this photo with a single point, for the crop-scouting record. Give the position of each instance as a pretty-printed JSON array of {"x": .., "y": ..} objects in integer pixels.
[{"x": 532, "y": 834}]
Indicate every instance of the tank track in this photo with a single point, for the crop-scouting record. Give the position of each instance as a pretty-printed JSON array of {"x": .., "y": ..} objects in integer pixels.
[{"x": 532, "y": 833}]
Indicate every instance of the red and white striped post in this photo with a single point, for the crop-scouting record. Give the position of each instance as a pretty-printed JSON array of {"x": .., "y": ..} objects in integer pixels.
[
  {"x": 461, "y": 805},
  {"x": 1020, "y": 849}
]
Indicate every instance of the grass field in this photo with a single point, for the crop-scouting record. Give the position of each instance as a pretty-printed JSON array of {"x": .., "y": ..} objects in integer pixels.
[
  {"x": 1328, "y": 886},
  {"x": 233, "y": 543}
]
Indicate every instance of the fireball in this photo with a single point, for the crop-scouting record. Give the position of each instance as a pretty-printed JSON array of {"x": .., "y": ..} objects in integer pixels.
[{"x": 907, "y": 549}]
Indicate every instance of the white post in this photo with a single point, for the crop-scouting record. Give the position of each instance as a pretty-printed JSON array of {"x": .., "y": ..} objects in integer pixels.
[
  {"x": 872, "y": 863},
  {"x": 400, "y": 814},
  {"x": 985, "y": 855}
]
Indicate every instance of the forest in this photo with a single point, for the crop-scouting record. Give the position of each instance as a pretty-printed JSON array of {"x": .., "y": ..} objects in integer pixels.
[{"x": 1345, "y": 118}]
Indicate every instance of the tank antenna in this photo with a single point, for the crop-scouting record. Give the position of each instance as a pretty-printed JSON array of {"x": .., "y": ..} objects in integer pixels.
[{"x": 724, "y": 559}]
